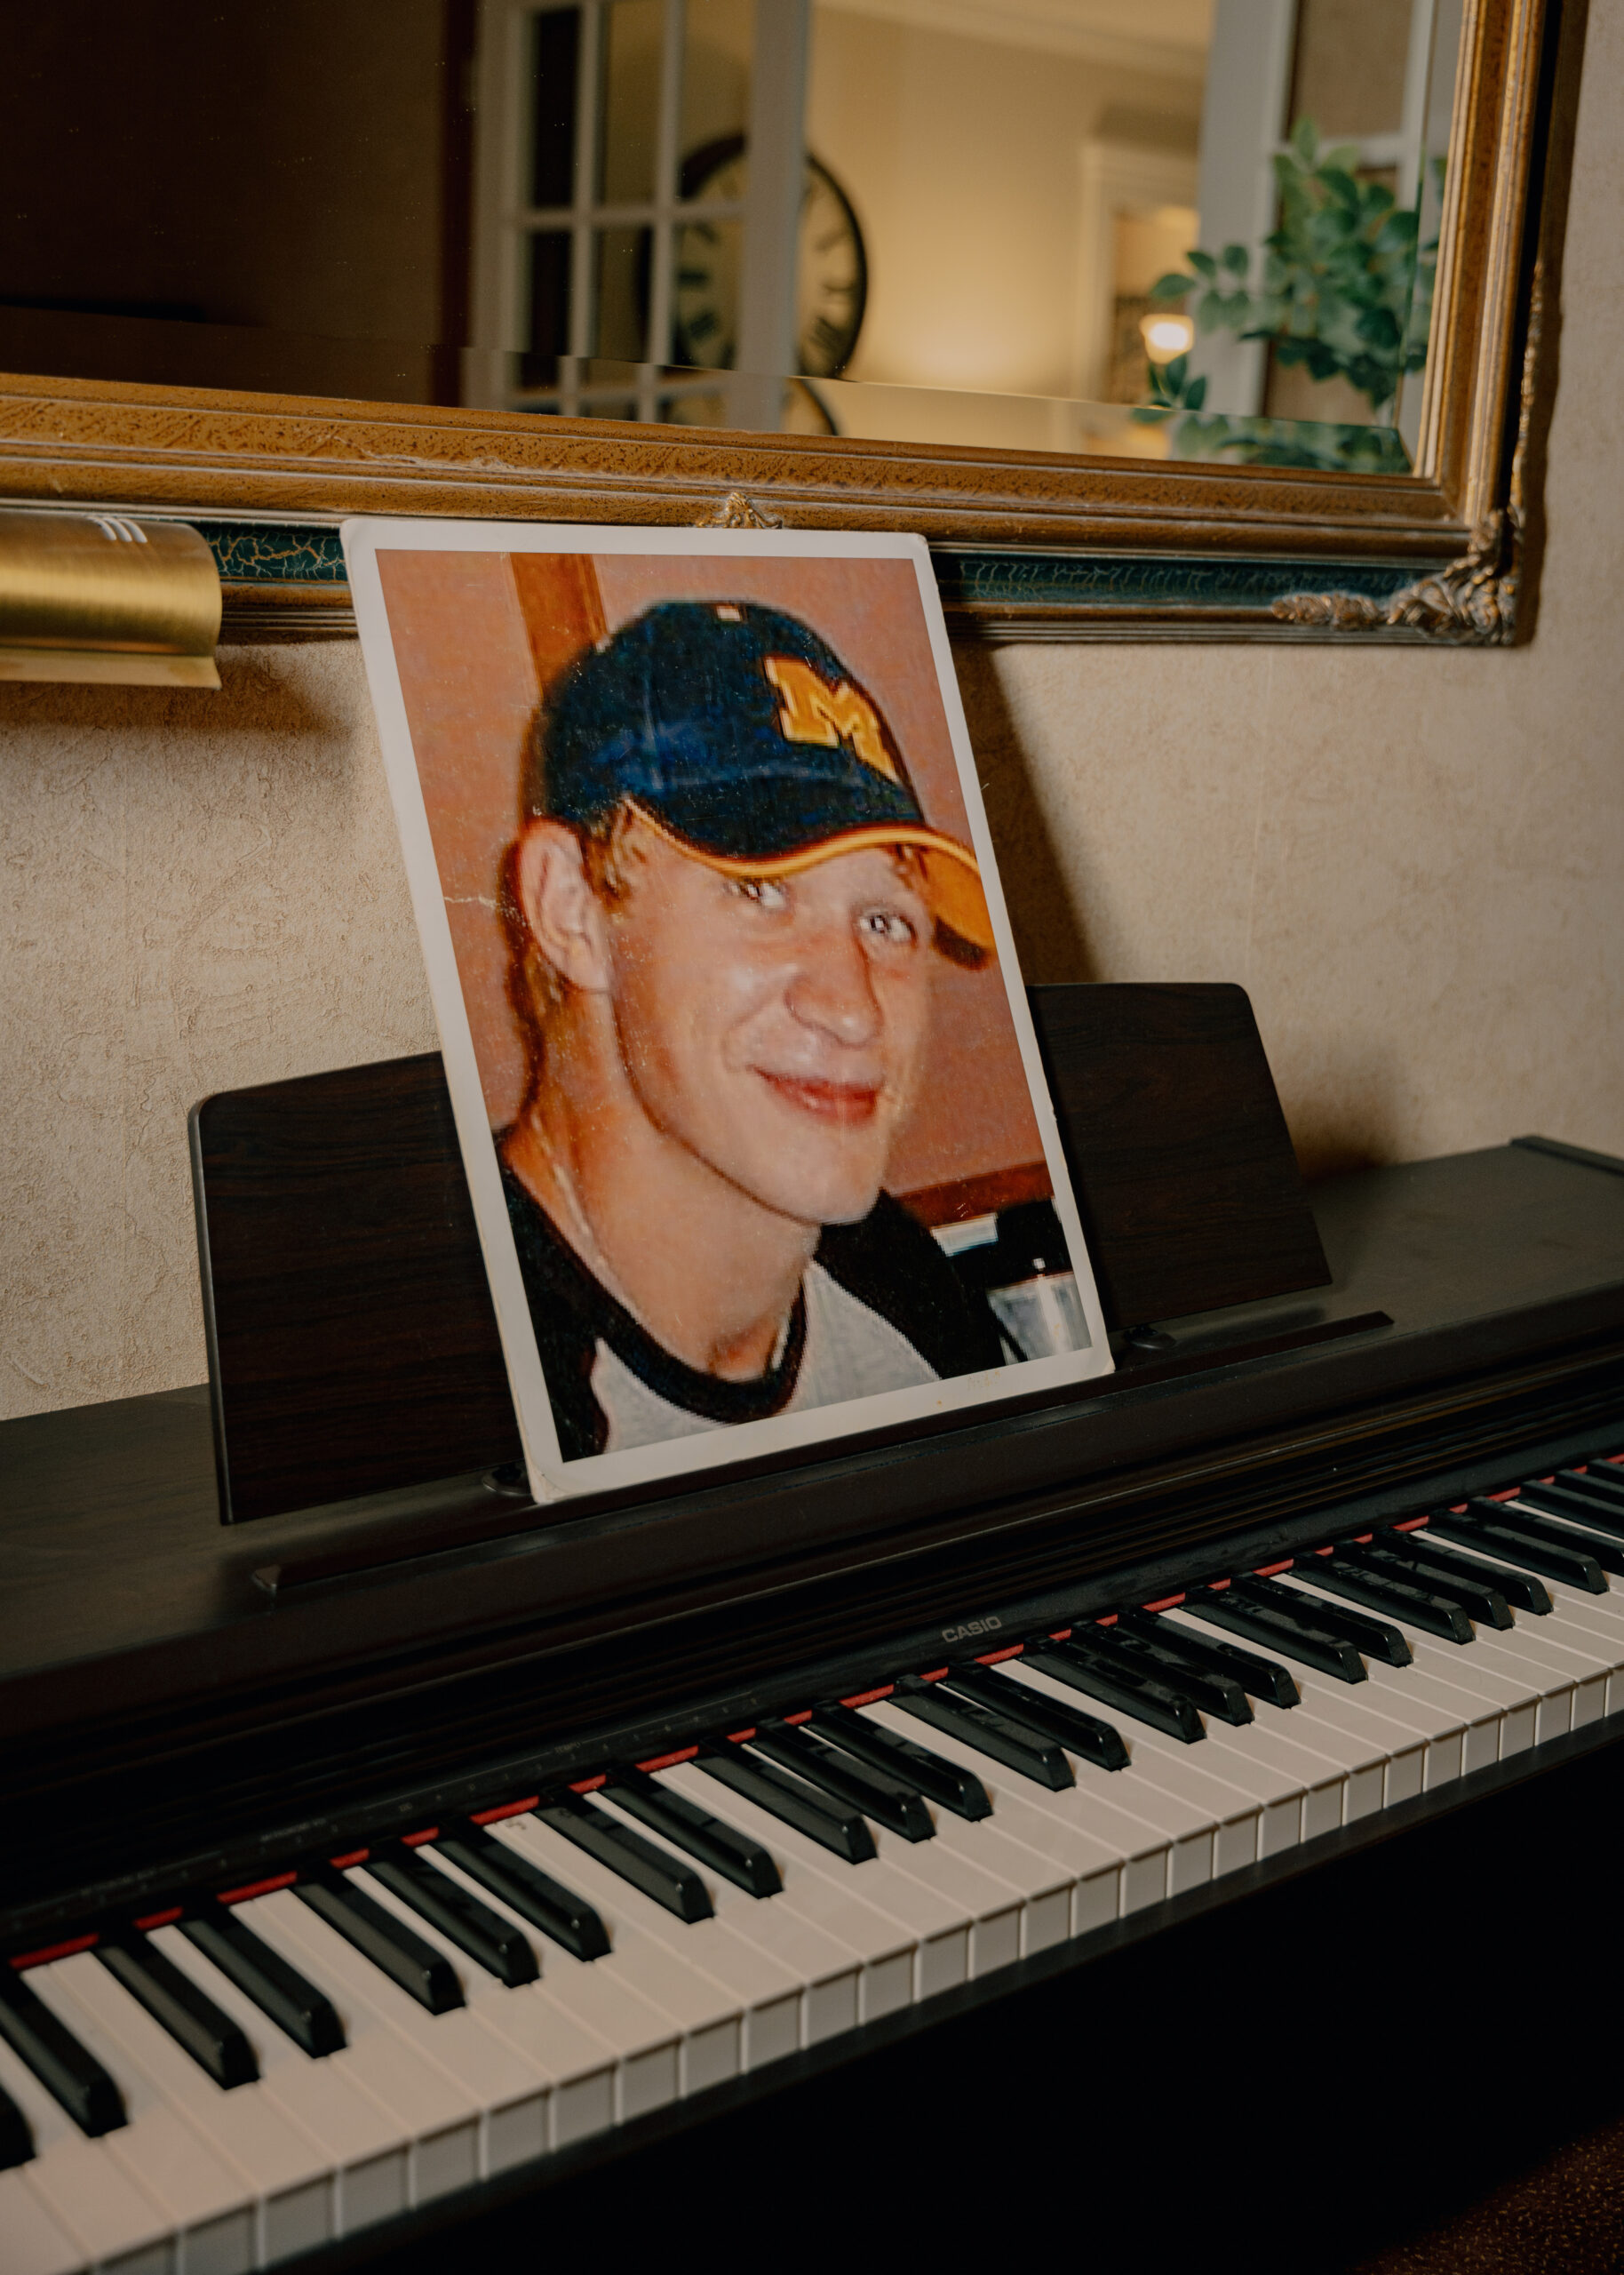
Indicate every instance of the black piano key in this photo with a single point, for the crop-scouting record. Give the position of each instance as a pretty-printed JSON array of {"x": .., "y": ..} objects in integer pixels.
[
  {"x": 880, "y": 1793},
  {"x": 831, "y": 1823},
  {"x": 1496, "y": 1535},
  {"x": 1210, "y": 1692},
  {"x": 1478, "y": 1598},
  {"x": 1406, "y": 1600},
  {"x": 1597, "y": 1510},
  {"x": 1016, "y": 1744},
  {"x": 1521, "y": 1590},
  {"x": 66, "y": 2070},
  {"x": 262, "y": 1975},
  {"x": 1296, "y": 1634},
  {"x": 938, "y": 1779},
  {"x": 1084, "y": 1735},
  {"x": 1377, "y": 1638},
  {"x": 499, "y": 1947},
  {"x": 1600, "y": 1479},
  {"x": 675, "y": 1885},
  {"x": 675, "y": 1818},
  {"x": 16, "y": 2141},
  {"x": 176, "y": 2004},
  {"x": 422, "y": 1972},
  {"x": 1259, "y": 1677},
  {"x": 1118, "y": 1684},
  {"x": 535, "y": 1894},
  {"x": 1553, "y": 1532}
]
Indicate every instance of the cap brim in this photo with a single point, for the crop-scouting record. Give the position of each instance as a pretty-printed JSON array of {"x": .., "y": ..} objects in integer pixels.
[{"x": 953, "y": 886}]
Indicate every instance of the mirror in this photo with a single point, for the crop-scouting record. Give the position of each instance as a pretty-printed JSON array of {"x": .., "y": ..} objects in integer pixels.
[{"x": 1152, "y": 229}]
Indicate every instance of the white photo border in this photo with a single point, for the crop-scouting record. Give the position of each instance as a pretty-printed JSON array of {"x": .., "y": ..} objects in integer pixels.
[{"x": 552, "y": 1478}]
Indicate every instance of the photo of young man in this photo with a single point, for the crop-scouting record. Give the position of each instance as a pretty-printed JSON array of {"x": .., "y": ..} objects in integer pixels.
[
  {"x": 744, "y": 1077},
  {"x": 724, "y": 906}
]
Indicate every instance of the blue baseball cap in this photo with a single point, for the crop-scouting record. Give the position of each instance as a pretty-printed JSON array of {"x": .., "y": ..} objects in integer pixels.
[{"x": 741, "y": 736}]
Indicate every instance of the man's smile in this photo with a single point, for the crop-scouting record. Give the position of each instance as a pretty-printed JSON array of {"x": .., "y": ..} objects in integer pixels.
[{"x": 847, "y": 1105}]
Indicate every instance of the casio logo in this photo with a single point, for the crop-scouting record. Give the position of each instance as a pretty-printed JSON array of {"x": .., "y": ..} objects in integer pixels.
[{"x": 987, "y": 1626}]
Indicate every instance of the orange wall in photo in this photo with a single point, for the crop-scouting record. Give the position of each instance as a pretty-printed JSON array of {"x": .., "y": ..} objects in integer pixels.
[{"x": 476, "y": 637}]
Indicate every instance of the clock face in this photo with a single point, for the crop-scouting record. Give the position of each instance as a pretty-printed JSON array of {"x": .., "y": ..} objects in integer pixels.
[{"x": 831, "y": 270}]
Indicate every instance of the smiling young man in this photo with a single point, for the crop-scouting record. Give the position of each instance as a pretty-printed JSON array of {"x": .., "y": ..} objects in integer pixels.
[{"x": 724, "y": 903}]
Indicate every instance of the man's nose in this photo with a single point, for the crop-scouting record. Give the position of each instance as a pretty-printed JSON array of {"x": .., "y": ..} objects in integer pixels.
[{"x": 832, "y": 989}]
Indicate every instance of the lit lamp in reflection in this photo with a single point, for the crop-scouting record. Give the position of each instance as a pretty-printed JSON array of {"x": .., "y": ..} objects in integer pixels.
[{"x": 1167, "y": 336}]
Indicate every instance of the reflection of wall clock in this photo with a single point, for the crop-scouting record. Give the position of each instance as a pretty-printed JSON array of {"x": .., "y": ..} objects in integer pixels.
[{"x": 831, "y": 272}]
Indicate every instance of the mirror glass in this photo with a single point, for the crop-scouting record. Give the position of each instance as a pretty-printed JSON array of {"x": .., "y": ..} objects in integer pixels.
[{"x": 1162, "y": 228}]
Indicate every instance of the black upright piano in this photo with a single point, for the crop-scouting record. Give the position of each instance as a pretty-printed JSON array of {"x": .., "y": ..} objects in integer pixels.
[{"x": 1172, "y": 1823}]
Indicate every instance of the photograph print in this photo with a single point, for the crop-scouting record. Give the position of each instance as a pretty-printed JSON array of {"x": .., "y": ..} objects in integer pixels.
[{"x": 759, "y": 1146}]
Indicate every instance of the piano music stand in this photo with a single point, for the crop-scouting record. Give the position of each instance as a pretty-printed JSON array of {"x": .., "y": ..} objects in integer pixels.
[{"x": 352, "y": 1349}]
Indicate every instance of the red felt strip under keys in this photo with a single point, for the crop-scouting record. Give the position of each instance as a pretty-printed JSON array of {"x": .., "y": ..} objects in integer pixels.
[
  {"x": 258, "y": 1887},
  {"x": 992, "y": 1658},
  {"x": 669, "y": 1760},
  {"x": 56, "y": 1951},
  {"x": 869, "y": 1697},
  {"x": 1268, "y": 1571},
  {"x": 159, "y": 1919},
  {"x": 508, "y": 1808},
  {"x": 1166, "y": 1604}
]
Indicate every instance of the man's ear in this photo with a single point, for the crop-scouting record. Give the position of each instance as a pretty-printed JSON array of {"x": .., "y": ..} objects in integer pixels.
[{"x": 564, "y": 915}]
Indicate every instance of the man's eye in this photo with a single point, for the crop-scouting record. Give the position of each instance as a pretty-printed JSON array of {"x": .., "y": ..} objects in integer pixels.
[
  {"x": 886, "y": 925},
  {"x": 764, "y": 892}
]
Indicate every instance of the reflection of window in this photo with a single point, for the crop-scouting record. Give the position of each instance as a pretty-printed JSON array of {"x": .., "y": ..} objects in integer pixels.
[
  {"x": 591, "y": 219},
  {"x": 1377, "y": 74}
]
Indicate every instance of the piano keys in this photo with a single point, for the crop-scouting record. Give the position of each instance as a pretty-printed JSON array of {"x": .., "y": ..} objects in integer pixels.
[
  {"x": 505, "y": 1886},
  {"x": 298, "y": 2074}
]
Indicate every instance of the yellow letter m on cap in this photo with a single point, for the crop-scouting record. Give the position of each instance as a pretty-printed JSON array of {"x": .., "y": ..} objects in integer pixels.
[{"x": 814, "y": 712}]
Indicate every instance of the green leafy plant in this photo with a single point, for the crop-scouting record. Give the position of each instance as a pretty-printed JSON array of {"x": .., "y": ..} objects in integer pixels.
[{"x": 1345, "y": 291}]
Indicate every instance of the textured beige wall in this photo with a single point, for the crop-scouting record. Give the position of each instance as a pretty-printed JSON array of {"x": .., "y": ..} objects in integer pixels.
[{"x": 1414, "y": 859}]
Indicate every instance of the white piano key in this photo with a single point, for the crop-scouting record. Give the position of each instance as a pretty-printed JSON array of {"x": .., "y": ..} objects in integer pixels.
[
  {"x": 33, "y": 2242},
  {"x": 1394, "y": 1756},
  {"x": 433, "y": 2117},
  {"x": 921, "y": 1913},
  {"x": 366, "y": 2143},
  {"x": 766, "y": 1992},
  {"x": 1186, "y": 1774},
  {"x": 1601, "y": 1654},
  {"x": 1594, "y": 1617},
  {"x": 829, "y": 1892},
  {"x": 585, "y": 2066},
  {"x": 1088, "y": 1850},
  {"x": 506, "y": 2093},
  {"x": 1547, "y": 1677},
  {"x": 104, "y": 2212},
  {"x": 884, "y": 1952},
  {"x": 1045, "y": 1889},
  {"x": 204, "y": 2197},
  {"x": 935, "y": 1909},
  {"x": 645, "y": 2042},
  {"x": 1409, "y": 1701},
  {"x": 1269, "y": 1738},
  {"x": 1435, "y": 1710},
  {"x": 707, "y": 2013},
  {"x": 1048, "y": 1899},
  {"x": 284, "y": 2170},
  {"x": 827, "y": 1970}
]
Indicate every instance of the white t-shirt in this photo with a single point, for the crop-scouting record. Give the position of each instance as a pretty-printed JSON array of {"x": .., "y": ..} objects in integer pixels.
[{"x": 850, "y": 1352}]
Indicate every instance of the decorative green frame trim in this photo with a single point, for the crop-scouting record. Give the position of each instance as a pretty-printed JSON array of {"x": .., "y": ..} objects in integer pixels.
[{"x": 286, "y": 580}]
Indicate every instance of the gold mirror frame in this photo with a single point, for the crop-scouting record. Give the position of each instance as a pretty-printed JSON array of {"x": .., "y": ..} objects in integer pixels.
[{"x": 1032, "y": 545}]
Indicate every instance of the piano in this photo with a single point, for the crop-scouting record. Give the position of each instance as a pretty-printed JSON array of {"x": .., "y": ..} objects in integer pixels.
[{"x": 1172, "y": 1821}]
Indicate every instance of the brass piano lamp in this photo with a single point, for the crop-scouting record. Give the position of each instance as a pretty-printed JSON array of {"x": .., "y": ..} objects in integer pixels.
[{"x": 105, "y": 598}]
